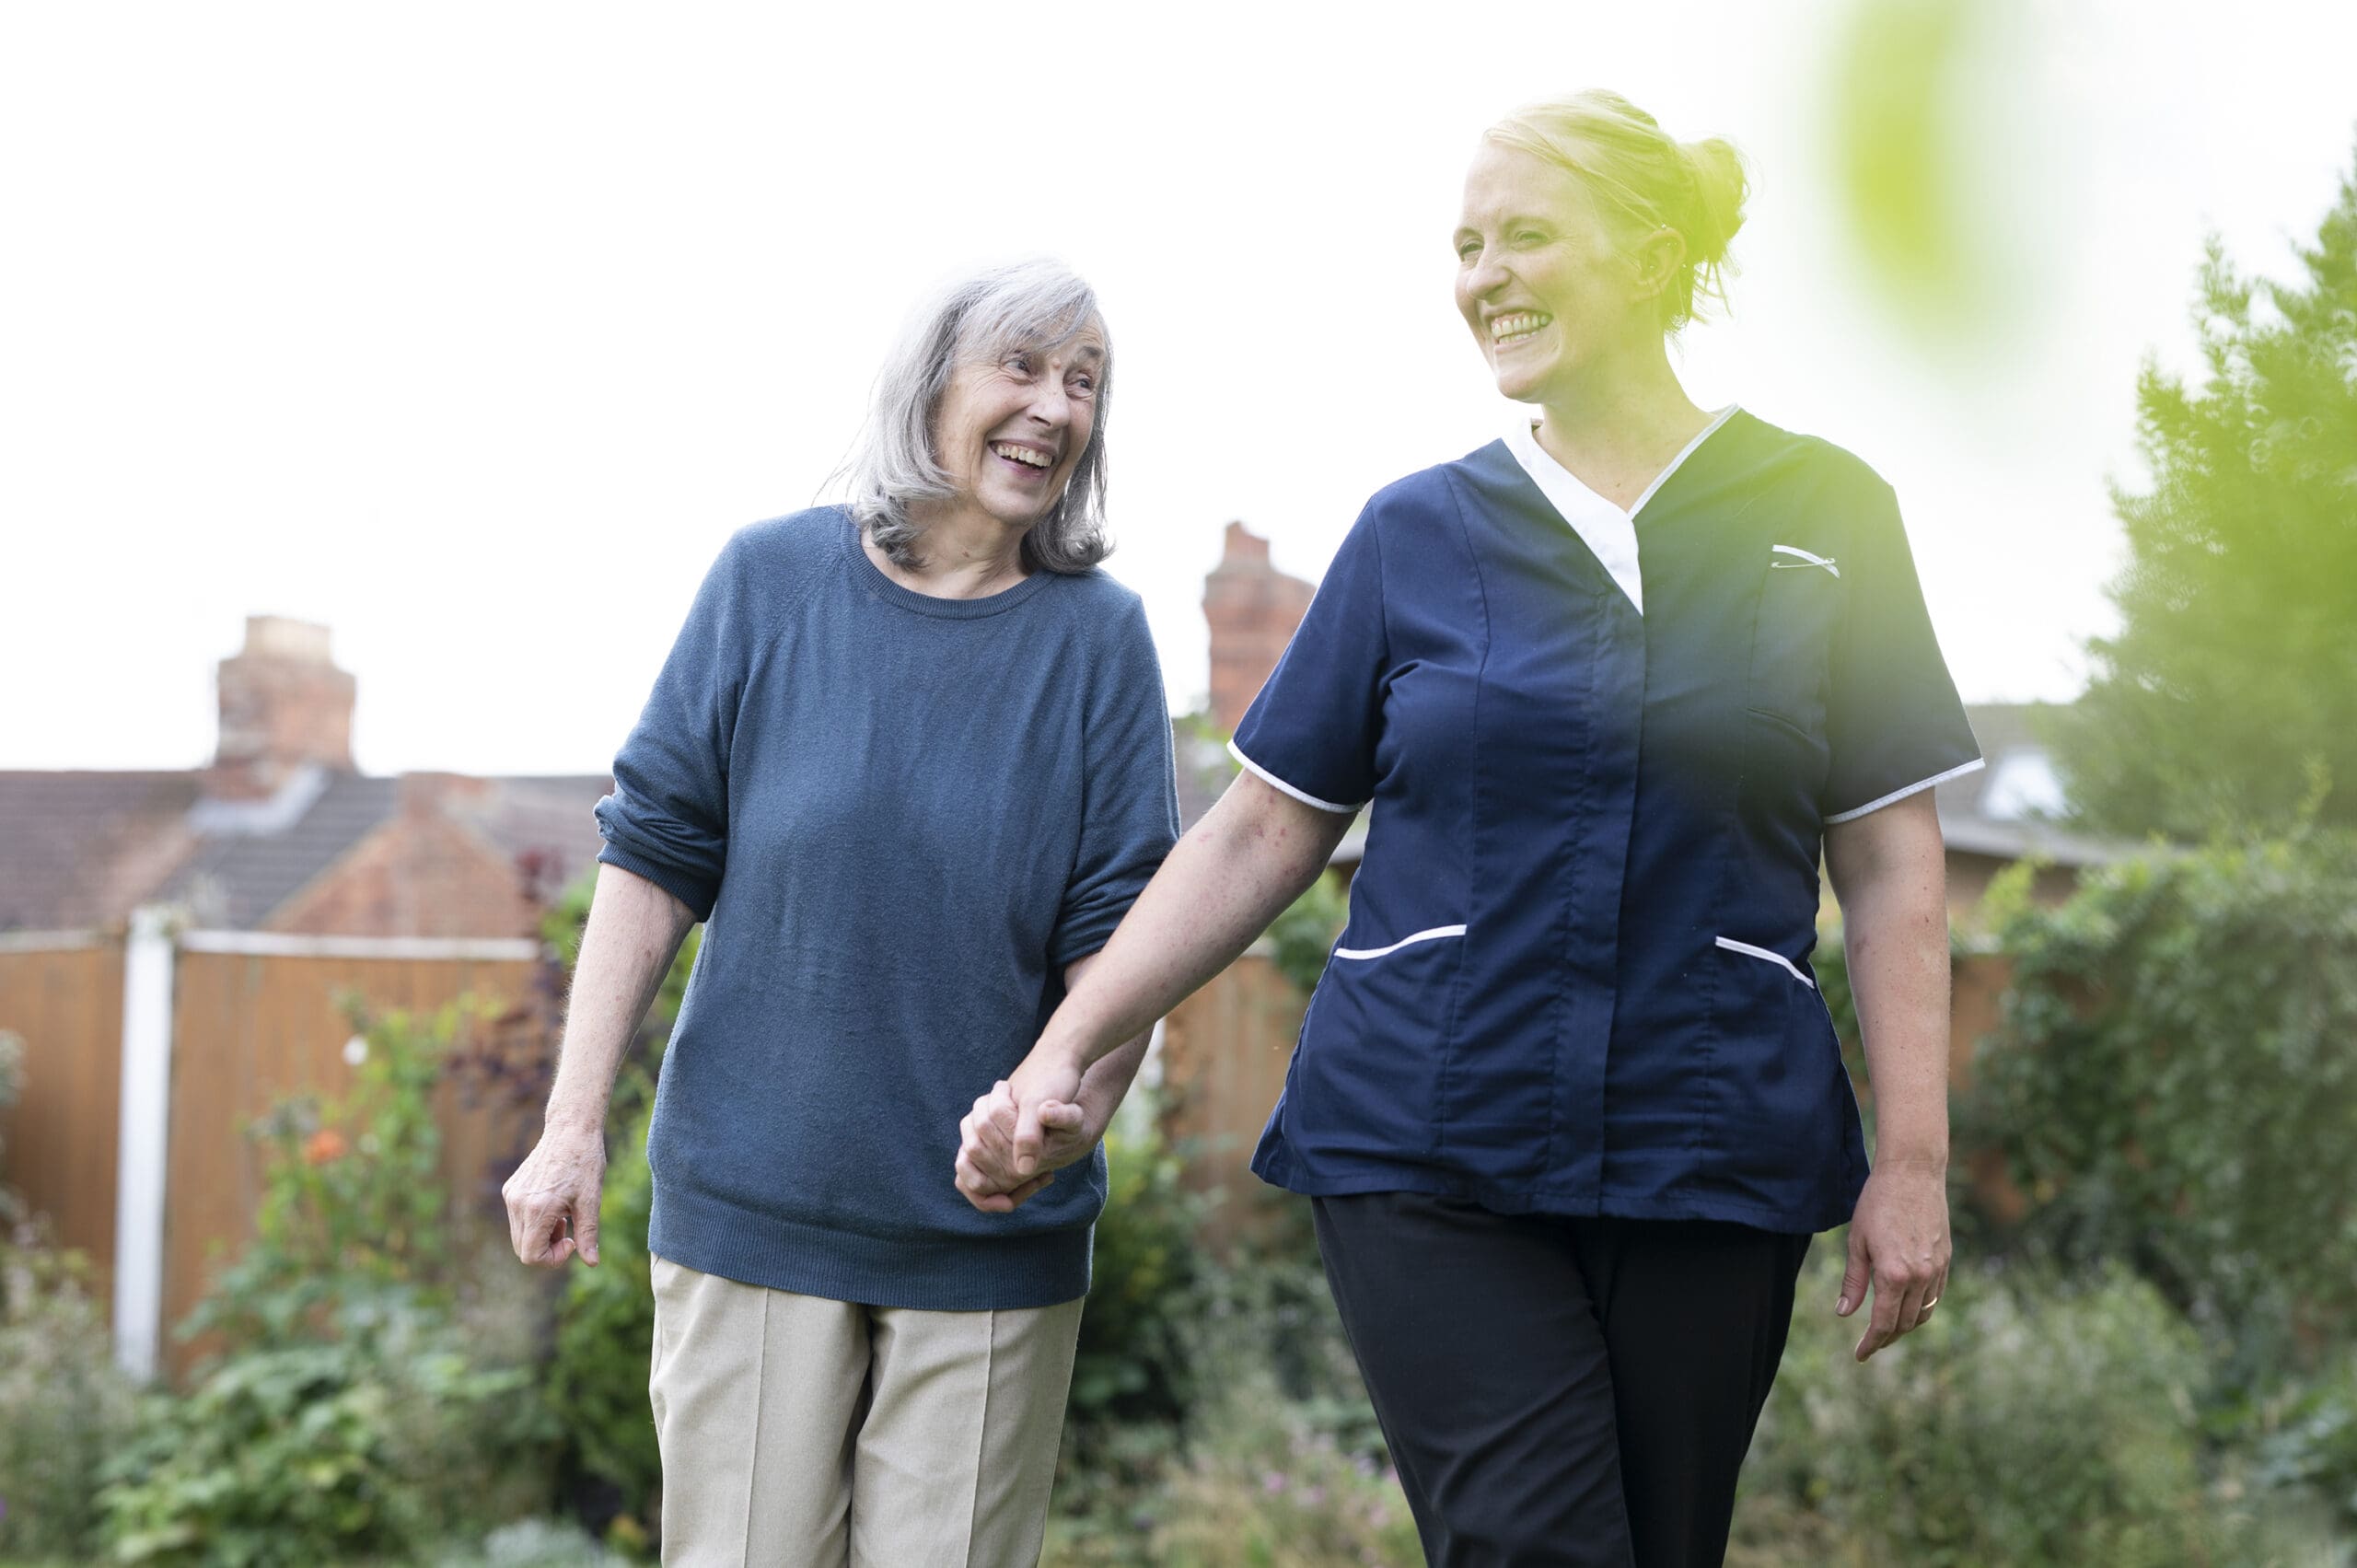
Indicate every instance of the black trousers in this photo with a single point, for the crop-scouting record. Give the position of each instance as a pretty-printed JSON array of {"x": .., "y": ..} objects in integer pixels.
[{"x": 1560, "y": 1393}]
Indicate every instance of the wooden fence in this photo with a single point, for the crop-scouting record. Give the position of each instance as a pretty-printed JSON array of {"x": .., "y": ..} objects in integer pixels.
[
  {"x": 252, "y": 1018},
  {"x": 63, "y": 995},
  {"x": 244, "y": 1020}
]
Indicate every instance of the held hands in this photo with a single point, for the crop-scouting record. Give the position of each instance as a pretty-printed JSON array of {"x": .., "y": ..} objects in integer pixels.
[
  {"x": 552, "y": 1197},
  {"x": 1898, "y": 1242},
  {"x": 1009, "y": 1148}
]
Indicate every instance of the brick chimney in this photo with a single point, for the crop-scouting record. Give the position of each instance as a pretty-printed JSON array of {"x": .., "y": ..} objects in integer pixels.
[
  {"x": 1253, "y": 608},
  {"x": 283, "y": 705}
]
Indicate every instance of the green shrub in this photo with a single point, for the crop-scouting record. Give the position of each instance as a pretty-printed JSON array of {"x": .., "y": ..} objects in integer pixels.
[
  {"x": 372, "y": 1391},
  {"x": 309, "y": 1454},
  {"x": 531, "y": 1544},
  {"x": 12, "y": 1086},
  {"x": 2308, "y": 1438},
  {"x": 1303, "y": 936},
  {"x": 2173, "y": 1082},
  {"x": 605, "y": 1335},
  {"x": 1131, "y": 1364},
  {"x": 64, "y": 1407},
  {"x": 2032, "y": 1423},
  {"x": 353, "y": 1210},
  {"x": 1276, "y": 1456},
  {"x": 1267, "y": 1485},
  {"x": 605, "y": 1331}
]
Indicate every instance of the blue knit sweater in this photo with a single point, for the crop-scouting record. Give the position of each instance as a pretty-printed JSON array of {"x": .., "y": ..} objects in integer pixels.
[{"x": 901, "y": 817}]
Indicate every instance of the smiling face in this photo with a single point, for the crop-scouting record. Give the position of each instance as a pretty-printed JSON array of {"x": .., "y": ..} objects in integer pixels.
[
  {"x": 1011, "y": 429},
  {"x": 1552, "y": 297}
]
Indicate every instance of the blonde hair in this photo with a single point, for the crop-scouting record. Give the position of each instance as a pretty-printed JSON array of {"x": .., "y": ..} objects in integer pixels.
[{"x": 1643, "y": 179}]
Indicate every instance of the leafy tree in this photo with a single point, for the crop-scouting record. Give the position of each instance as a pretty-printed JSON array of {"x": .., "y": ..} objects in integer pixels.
[
  {"x": 2229, "y": 696},
  {"x": 2172, "y": 1085}
]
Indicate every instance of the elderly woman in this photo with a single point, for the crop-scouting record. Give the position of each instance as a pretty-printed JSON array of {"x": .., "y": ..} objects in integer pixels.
[
  {"x": 1566, "y": 1101},
  {"x": 910, "y": 759}
]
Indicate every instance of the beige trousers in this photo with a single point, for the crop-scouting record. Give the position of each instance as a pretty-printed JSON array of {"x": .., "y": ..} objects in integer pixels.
[{"x": 802, "y": 1433}]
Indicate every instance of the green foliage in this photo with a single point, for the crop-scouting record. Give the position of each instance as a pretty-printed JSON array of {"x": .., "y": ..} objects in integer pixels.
[
  {"x": 2032, "y": 1424},
  {"x": 62, "y": 1406},
  {"x": 1304, "y": 935},
  {"x": 532, "y": 1543},
  {"x": 605, "y": 1335},
  {"x": 597, "y": 1380},
  {"x": 1267, "y": 1486},
  {"x": 2308, "y": 1438},
  {"x": 2229, "y": 696},
  {"x": 369, "y": 1397},
  {"x": 1276, "y": 1456},
  {"x": 1131, "y": 1364},
  {"x": 353, "y": 1210},
  {"x": 2173, "y": 1083},
  {"x": 302, "y": 1455},
  {"x": 12, "y": 1088}
]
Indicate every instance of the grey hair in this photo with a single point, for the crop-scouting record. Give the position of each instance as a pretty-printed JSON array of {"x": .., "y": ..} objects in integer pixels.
[{"x": 1033, "y": 304}]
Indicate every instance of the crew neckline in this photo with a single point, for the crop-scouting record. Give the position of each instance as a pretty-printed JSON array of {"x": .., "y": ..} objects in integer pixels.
[{"x": 871, "y": 577}]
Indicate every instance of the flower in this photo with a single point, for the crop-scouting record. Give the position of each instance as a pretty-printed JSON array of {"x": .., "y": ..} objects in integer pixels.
[
  {"x": 355, "y": 1049},
  {"x": 323, "y": 1145}
]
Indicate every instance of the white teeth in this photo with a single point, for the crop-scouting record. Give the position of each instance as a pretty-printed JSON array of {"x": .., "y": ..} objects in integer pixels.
[
  {"x": 1023, "y": 454},
  {"x": 1519, "y": 325}
]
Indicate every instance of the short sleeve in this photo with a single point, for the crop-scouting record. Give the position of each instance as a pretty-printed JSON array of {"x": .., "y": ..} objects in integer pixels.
[
  {"x": 1894, "y": 721},
  {"x": 667, "y": 818},
  {"x": 1313, "y": 730},
  {"x": 1130, "y": 794}
]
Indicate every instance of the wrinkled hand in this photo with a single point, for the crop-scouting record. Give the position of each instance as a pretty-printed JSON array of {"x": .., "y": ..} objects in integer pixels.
[
  {"x": 986, "y": 1152},
  {"x": 1898, "y": 1242},
  {"x": 552, "y": 1199}
]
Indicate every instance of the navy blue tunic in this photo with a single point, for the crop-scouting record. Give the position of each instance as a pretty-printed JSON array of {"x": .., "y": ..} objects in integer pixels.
[{"x": 1576, "y": 977}]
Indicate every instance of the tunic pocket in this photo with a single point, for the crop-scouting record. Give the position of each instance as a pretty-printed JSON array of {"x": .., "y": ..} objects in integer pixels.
[
  {"x": 1366, "y": 1078},
  {"x": 1792, "y": 638},
  {"x": 1784, "y": 1096}
]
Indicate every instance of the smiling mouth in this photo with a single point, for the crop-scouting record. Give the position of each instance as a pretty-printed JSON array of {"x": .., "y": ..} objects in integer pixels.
[
  {"x": 1518, "y": 327},
  {"x": 1032, "y": 463}
]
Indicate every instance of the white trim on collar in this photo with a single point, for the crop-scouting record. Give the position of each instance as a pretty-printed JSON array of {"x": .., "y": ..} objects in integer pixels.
[{"x": 1609, "y": 533}]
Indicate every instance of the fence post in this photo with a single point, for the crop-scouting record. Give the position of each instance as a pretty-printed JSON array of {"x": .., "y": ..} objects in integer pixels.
[{"x": 145, "y": 1126}]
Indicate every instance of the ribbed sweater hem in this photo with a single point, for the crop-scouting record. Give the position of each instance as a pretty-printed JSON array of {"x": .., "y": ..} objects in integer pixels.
[{"x": 934, "y": 1273}]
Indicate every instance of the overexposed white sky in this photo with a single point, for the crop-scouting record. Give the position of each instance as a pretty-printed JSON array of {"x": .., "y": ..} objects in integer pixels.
[{"x": 473, "y": 331}]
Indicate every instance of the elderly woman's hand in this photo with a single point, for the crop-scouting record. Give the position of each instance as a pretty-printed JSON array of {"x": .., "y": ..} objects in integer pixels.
[
  {"x": 1899, "y": 1243},
  {"x": 986, "y": 1173},
  {"x": 552, "y": 1197}
]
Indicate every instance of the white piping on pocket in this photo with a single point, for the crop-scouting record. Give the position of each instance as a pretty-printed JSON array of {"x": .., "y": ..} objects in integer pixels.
[
  {"x": 1805, "y": 559},
  {"x": 1748, "y": 951},
  {"x": 1436, "y": 933}
]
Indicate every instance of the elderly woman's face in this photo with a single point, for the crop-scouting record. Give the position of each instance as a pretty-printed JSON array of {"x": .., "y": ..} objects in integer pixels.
[
  {"x": 1010, "y": 431},
  {"x": 1539, "y": 279}
]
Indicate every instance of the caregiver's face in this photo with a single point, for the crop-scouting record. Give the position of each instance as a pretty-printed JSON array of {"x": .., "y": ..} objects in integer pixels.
[
  {"x": 1539, "y": 279},
  {"x": 1011, "y": 429}
]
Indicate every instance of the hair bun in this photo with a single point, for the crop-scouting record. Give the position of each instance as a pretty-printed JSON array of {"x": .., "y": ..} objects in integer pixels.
[
  {"x": 1643, "y": 179},
  {"x": 1720, "y": 187}
]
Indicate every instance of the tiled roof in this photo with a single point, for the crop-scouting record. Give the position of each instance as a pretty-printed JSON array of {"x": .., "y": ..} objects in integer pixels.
[
  {"x": 82, "y": 849},
  {"x": 2011, "y": 733},
  {"x": 544, "y": 824},
  {"x": 234, "y": 879},
  {"x": 79, "y": 849}
]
